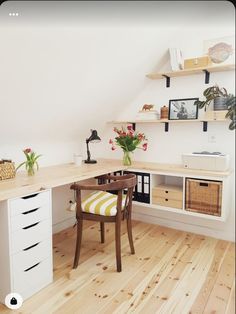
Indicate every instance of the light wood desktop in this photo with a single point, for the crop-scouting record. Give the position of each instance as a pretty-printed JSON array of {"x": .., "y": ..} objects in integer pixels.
[{"x": 26, "y": 215}]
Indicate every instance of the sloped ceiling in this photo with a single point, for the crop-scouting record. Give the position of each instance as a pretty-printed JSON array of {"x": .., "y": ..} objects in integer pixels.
[{"x": 66, "y": 69}]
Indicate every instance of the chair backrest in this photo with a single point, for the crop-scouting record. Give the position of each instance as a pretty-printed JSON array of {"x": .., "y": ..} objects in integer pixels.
[{"x": 120, "y": 183}]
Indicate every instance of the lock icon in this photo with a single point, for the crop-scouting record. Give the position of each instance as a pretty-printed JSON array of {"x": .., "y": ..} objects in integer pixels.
[{"x": 13, "y": 301}]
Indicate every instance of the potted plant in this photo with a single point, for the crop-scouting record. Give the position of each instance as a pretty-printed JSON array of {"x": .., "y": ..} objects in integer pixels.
[
  {"x": 222, "y": 101},
  {"x": 231, "y": 114},
  {"x": 216, "y": 94}
]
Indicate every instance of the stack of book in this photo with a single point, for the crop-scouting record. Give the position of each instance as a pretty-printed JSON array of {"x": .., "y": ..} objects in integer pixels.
[
  {"x": 176, "y": 59},
  {"x": 148, "y": 115}
]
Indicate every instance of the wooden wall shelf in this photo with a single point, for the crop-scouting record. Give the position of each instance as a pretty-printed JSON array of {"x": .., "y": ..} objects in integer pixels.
[
  {"x": 200, "y": 70},
  {"x": 166, "y": 122}
]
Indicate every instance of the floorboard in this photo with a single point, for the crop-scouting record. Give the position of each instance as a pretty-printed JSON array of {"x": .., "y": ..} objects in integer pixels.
[{"x": 171, "y": 272}]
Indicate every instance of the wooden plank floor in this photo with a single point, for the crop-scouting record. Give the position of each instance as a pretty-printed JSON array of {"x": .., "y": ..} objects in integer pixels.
[{"x": 171, "y": 272}]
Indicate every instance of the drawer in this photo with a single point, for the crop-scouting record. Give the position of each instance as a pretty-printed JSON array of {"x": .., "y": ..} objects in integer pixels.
[
  {"x": 23, "y": 238},
  {"x": 30, "y": 217},
  {"x": 167, "y": 191},
  {"x": 167, "y": 202},
  {"x": 28, "y": 281},
  {"x": 32, "y": 255},
  {"x": 28, "y": 202}
]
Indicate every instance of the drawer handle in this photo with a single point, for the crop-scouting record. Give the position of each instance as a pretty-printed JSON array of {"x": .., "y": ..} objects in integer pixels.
[
  {"x": 30, "y": 247},
  {"x": 29, "y": 196},
  {"x": 166, "y": 199},
  {"x": 203, "y": 184},
  {"x": 166, "y": 191},
  {"x": 30, "y": 211},
  {"x": 30, "y": 226},
  {"x": 32, "y": 267}
]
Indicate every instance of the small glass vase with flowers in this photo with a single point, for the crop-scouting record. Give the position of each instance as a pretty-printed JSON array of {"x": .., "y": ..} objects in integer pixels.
[
  {"x": 128, "y": 140},
  {"x": 31, "y": 161}
]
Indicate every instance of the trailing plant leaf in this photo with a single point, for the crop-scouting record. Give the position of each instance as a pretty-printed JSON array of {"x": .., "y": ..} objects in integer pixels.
[{"x": 232, "y": 125}]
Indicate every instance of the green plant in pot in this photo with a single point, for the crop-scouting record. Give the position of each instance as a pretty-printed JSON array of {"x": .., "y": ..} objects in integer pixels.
[
  {"x": 231, "y": 114},
  {"x": 222, "y": 101}
]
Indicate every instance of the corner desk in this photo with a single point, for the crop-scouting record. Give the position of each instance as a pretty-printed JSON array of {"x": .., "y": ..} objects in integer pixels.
[{"x": 26, "y": 264}]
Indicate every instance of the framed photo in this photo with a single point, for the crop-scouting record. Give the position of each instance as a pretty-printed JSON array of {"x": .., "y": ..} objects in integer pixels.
[{"x": 183, "y": 109}]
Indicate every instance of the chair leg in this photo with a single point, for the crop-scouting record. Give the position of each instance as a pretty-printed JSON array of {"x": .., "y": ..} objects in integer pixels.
[
  {"x": 102, "y": 230},
  {"x": 118, "y": 245},
  {"x": 129, "y": 230},
  {"x": 78, "y": 242}
]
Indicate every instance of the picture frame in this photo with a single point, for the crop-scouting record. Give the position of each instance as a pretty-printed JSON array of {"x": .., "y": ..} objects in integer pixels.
[{"x": 183, "y": 109}]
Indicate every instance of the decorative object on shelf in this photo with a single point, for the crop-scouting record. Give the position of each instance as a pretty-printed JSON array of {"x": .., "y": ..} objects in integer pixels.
[
  {"x": 205, "y": 160},
  {"x": 176, "y": 59},
  {"x": 164, "y": 112},
  {"x": 147, "y": 107},
  {"x": 94, "y": 138},
  {"x": 211, "y": 94},
  {"x": 183, "y": 109},
  {"x": 220, "y": 50},
  {"x": 215, "y": 115},
  {"x": 7, "y": 169},
  {"x": 228, "y": 103},
  {"x": 197, "y": 62},
  {"x": 31, "y": 161},
  {"x": 148, "y": 113},
  {"x": 128, "y": 140}
]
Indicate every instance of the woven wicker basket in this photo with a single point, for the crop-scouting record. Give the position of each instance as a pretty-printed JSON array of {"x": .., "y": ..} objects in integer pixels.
[
  {"x": 203, "y": 196},
  {"x": 7, "y": 170}
]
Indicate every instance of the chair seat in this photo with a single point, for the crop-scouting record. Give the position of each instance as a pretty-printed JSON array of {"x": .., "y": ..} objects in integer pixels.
[{"x": 101, "y": 203}]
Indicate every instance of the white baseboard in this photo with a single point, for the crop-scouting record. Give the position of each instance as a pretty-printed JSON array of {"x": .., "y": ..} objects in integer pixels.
[
  {"x": 63, "y": 225},
  {"x": 180, "y": 225}
]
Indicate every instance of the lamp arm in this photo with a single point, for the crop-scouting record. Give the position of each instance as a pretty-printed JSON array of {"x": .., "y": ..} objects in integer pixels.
[{"x": 88, "y": 152}]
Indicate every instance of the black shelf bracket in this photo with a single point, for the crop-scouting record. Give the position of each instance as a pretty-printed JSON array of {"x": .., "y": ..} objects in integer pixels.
[
  {"x": 133, "y": 126},
  {"x": 204, "y": 124},
  {"x": 207, "y": 76},
  {"x": 166, "y": 126},
  {"x": 167, "y": 80}
]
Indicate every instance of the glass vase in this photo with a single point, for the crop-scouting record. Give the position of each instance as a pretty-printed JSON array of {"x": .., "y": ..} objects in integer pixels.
[
  {"x": 127, "y": 158},
  {"x": 30, "y": 170}
]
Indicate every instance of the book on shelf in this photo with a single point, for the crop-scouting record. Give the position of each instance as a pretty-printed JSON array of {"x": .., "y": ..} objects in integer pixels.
[
  {"x": 176, "y": 59},
  {"x": 148, "y": 115}
]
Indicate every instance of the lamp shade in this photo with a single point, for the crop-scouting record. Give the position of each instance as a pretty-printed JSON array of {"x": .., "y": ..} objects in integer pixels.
[{"x": 94, "y": 137}]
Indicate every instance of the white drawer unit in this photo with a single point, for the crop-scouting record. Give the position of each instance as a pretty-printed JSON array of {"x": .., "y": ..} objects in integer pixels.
[
  {"x": 30, "y": 235},
  {"x": 29, "y": 217},
  {"x": 26, "y": 244}
]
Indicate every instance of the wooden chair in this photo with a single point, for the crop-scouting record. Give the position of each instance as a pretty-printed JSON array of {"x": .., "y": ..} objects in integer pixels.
[{"x": 104, "y": 207}]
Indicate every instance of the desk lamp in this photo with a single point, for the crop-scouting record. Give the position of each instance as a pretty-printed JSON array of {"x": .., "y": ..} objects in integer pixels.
[{"x": 94, "y": 138}]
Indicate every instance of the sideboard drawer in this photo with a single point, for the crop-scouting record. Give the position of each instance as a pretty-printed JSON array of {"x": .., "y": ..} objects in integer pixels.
[
  {"x": 29, "y": 235},
  {"x": 167, "y": 202},
  {"x": 168, "y": 191},
  {"x": 30, "y": 280},
  {"x": 29, "y": 217},
  {"x": 32, "y": 255},
  {"x": 28, "y": 202}
]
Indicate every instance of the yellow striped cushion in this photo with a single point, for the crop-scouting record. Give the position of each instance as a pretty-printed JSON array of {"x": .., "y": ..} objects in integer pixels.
[{"x": 101, "y": 203}]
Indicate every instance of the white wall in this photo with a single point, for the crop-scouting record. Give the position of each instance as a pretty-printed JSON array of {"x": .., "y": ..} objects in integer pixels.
[{"x": 64, "y": 71}]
